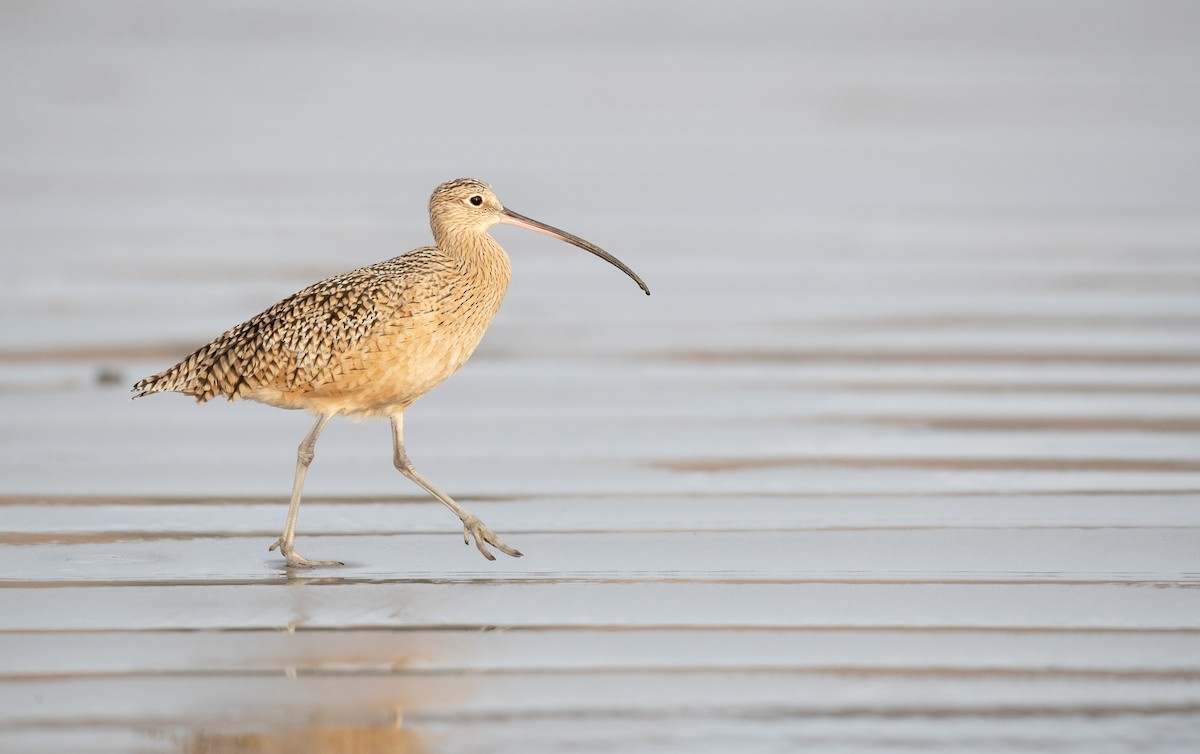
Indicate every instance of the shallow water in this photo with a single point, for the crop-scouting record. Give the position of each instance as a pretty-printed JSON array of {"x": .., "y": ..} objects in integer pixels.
[{"x": 902, "y": 454}]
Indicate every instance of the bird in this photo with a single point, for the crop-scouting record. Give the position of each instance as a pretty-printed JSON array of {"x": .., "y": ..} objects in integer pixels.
[{"x": 370, "y": 342}]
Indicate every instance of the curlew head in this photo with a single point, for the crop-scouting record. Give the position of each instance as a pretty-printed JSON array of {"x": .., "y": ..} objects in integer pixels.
[{"x": 469, "y": 205}]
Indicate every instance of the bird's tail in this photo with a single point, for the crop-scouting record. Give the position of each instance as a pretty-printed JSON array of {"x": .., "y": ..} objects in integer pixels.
[
  {"x": 155, "y": 383},
  {"x": 190, "y": 377}
]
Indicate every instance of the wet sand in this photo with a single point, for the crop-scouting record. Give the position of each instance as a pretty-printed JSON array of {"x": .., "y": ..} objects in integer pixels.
[{"x": 902, "y": 454}]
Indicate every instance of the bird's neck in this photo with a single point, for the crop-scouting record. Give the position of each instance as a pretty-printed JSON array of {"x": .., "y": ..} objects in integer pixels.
[{"x": 478, "y": 251}]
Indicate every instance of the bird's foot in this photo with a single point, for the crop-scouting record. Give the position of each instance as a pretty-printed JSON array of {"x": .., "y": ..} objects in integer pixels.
[
  {"x": 296, "y": 560},
  {"x": 473, "y": 527}
]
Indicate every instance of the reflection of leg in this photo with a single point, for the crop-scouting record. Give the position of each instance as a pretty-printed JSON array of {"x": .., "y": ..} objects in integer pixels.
[
  {"x": 303, "y": 458},
  {"x": 472, "y": 526}
]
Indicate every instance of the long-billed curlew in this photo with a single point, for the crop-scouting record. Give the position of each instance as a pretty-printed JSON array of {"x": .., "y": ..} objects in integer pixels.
[{"x": 371, "y": 342}]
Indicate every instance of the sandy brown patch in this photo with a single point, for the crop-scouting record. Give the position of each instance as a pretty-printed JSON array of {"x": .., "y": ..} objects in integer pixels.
[
  {"x": 1044, "y": 424},
  {"x": 800, "y": 356},
  {"x": 931, "y": 464}
]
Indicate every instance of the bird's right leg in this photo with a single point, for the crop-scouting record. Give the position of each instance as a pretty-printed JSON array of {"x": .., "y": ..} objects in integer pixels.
[
  {"x": 472, "y": 526},
  {"x": 286, "y": 542}
]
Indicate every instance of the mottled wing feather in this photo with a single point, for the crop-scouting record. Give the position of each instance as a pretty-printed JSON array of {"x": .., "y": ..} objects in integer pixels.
[{"x": 296, "y": 343}]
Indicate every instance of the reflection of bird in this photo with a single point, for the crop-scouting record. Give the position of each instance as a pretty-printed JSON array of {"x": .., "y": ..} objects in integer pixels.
[{"x": 372, "y": 341}]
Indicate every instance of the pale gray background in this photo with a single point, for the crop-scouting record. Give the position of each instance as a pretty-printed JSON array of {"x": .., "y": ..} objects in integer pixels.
[{"x": 901, "y": 454}]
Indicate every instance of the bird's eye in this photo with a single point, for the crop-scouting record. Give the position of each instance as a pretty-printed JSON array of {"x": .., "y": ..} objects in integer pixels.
[{"x": 477, "y": 200}]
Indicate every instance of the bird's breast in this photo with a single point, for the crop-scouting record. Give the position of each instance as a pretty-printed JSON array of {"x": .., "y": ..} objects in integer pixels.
[{"x": 431, "y": 335}]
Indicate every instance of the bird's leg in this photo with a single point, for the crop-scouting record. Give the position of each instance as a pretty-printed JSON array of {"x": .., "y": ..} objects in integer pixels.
[
  {"x": 286, "y": 543},
  {"x": 472, "y": 526}
]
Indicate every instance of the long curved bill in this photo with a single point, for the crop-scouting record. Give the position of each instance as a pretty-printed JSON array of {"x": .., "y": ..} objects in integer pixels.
[{"x": 508, "y": 217}]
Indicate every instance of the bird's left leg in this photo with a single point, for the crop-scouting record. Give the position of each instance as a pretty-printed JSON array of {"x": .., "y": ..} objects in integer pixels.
[{"x": 472, "y": 526}]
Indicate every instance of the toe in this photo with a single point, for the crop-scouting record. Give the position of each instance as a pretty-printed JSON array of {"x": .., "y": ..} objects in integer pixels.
[{"x": 479, "y": 543}]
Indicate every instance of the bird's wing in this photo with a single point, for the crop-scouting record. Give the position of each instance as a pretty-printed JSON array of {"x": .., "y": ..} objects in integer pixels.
[{"x": 293, "y": 344}]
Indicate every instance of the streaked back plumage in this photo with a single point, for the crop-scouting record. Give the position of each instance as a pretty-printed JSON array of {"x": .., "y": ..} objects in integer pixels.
[{"x": 295, "y": 344}]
